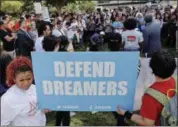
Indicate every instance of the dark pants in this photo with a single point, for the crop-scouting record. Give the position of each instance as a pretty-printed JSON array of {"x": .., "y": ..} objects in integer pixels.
[
  {"x": 62, "y": 118},
  {"x": 119, "y": 118}
]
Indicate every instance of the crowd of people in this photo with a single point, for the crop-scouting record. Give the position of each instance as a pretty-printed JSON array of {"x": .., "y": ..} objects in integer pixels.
[{"x": 122, "y": 29}]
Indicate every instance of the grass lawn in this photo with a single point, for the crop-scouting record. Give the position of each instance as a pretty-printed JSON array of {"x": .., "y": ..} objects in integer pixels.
[{"x": 86, "y": 119}]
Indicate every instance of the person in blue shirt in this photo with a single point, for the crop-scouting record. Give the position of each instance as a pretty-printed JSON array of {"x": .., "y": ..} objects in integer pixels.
[{"x": 118, "y": 25}]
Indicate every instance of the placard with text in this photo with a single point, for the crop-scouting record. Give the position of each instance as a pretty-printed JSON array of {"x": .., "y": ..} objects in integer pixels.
[{"x": 85, "y": 81}]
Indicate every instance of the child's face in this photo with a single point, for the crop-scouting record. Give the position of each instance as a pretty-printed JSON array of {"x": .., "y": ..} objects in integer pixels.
[{"x": 24, "y": 80}]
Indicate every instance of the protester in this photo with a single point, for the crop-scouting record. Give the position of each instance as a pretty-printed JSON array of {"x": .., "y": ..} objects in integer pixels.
[
  {"x": 115, "y": 42},
  {"x": 151, "y": 35},
  {"x": 131, "y": 38},
  {"x": 58, "y": 29},
  {"x": 43, "y": 31},
  {"x": 8, "y": 38},
  {"x": 126, "y": 28},
  {"x": 51, "y": 43},
  {"x": 24, "y": 43},
  {"x": 163, "y": 65},
  {"x": 5, "y": 60},
  {"x": 19, "y": 106}
]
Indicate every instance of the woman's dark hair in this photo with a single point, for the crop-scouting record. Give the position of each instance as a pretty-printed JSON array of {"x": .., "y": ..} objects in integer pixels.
[
  {"x": 5, "y": 60},
  {"x": 163, "y": 64},
  {"x": 27, "y": 16},
  {"x": 42, "y": 27},
  {"x": 164, "y": 17},
  {"x": 68, "y": 23},
  {"x": 130, "y": 24},
  {"x": 50, "y": 42},
  {"x": 160, "y": 16},
  {"x": 63, "y": 43},
  {"x": 4, "y": 17}
]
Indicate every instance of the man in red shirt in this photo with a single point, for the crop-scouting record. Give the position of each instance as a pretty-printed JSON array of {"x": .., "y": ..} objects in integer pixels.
[{"x": 163, "y": 66}]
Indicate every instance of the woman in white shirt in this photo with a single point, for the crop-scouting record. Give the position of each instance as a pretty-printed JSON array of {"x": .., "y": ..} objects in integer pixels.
[
  {"x": 19, "y": 105},
  {"x": 131, "y": 38}
]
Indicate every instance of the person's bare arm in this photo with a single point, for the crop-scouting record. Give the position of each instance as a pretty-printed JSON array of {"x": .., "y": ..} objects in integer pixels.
[
  {"x": 140, "y": 120},
  {"x": 8, "y": 38}
]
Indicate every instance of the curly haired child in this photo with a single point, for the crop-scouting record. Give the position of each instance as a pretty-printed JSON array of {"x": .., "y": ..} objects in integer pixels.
[{"x": 19, "y": 105}]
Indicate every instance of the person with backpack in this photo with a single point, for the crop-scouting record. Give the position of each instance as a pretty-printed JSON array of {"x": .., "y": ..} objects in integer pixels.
[{"x": 163, "y": 65}]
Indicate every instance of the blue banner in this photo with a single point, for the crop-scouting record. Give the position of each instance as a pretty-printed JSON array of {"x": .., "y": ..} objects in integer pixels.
[{"x": 85, "y": 81}]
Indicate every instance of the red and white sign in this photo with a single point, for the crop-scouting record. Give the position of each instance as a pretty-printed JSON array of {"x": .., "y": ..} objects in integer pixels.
[{"x": 131, "y": 38}]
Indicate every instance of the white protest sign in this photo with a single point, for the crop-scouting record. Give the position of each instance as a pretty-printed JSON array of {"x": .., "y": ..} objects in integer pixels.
[
  {"x": 45, "y": 14},
  {"x": 148, "y": 4},
  {"x": 37, "y": 6}
]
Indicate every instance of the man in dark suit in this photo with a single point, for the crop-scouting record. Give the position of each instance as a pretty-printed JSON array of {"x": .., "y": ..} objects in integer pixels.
[
  {"x": 24, "y": 43},
  {"x": 152, "y": 36}
]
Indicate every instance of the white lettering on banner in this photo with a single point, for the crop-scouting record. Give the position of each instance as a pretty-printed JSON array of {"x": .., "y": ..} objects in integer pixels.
[
  {"x": 70, "y": 69},
  {"x": 122, "y": 88},
  {"x": 102, "y": 87},
  {"x": 68, "y": 88},
  {"x": 109, "y": 69},
  {"x": 78, "y": 67},
  {"x": 59, "y": 68},
  {"x": 112, "y": 87},
  {"x": 90, "y": 88},
  {"x": 78, "y": 88},
  {"x": 47, "y": 87},
  {"x": 85, "y": 88},
  {"x": 58, "y": 88},
  {"x": 89, "y": 69},
  {"x": 98, "y": 72}
]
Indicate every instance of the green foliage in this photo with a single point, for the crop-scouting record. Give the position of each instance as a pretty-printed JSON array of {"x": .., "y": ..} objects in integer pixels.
[
  {"x": 19, "y": 6},
  {"x": 71, "y": 7},
  {"x": 97, "y": 119},
  {"x": 12, "y": 7},
  {"x": 87, "y": 6},
  {"x": 87, "y": 119},
  {"x": 27, "y": 6},
  {"x": 80, "y": 6},
  {"x": 58, "y": 3}
]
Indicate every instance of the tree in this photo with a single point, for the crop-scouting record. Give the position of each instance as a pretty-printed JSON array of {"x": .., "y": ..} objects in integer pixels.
[
  {"x": 79, "y": 7},
  {"x": 27, "y": 6},
  {"x": 59, "y": 3},
  {"x": 11, "y": 7}
]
